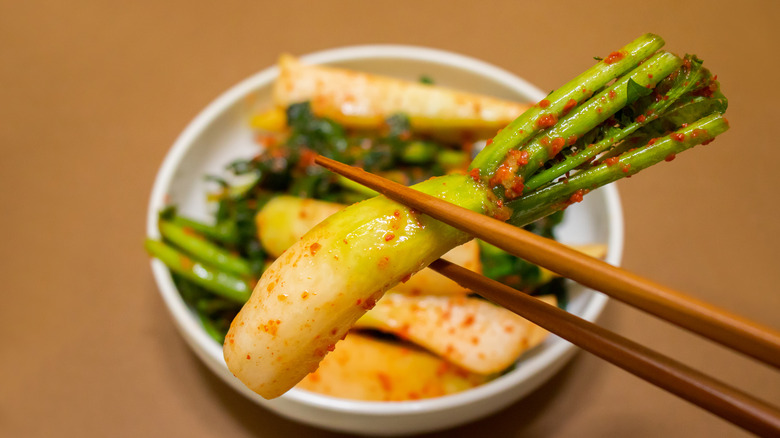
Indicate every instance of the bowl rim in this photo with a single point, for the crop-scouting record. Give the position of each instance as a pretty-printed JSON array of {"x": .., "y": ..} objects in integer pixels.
[{"x": 190, "y": 326}]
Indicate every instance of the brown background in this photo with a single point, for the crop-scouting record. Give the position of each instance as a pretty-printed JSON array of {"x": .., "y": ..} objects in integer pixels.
[{"x": 92, "y": 95}]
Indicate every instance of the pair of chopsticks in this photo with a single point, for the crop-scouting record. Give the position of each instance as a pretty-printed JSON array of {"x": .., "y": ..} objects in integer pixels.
[{"x": 697, "y": 316}]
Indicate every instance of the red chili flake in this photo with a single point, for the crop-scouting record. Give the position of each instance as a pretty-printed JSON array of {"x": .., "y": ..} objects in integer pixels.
[
  {"x": 265, "y": 140},
  {"x": 314, "y": 248},
  {"x": 385, "y": 381},
  {"x": 641, "y": 118},
  {"x": 576, "y": 196},
  {"x": 516, "y": 189},
  {"x": 403, "y": 331},
  {"x": 545, "y": 141},
  {"x": 307, "y": 158},
  {"x": 571, "y": 140},
  {"x": 271, "y": 327},
  {"x": 331, "y": 347},
  {"x": 678, "y": 137},
  {"x": 546, "y": 121},
  {"x": 670, "y": 157},
  {"x": 684, "y": 125},
  {"x": 468, "y": 321},
  {"x": 520, "y": 157},
  {"x": 652, "y": 141},
  {"x": 611, "y": 161},
  {"x": 474, "y": 174},
  {"x": 406, "y": 278},
  {"x": 503, "y": 173},
  {"x": 569, "y": 105},
  {"x": 359, "y": 302},
  {"x": 304, "y": 295},
  {"x": 544, "y": 103},
  {"x": 186, "y": 262},
  {"x": 345, "y": 242},
  {"x": 505, "y": 176},
  {"x": 626, "y": 168},
  {"x": 557, "y": 145},
  {"x": 248, "y": 357},
  {"x": 697, "y": 132},
  {"x": 369, "y": 303},
  {"x": 612, "y": 94},
  {"x": 614, "y": 57},
  {"x": 462, "y": 373},
  {"x": 650, "y": 75},
  {"x": 389, "y": 237}
]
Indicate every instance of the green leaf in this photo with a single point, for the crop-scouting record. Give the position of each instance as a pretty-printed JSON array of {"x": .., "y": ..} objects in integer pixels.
[
  {"x": 689, "y": 110},
  {"x": 634, "y": 91},
  {"x": 167, "y": 213},
  {"x": 398, "y": 125},
  {"x": 427, "y": 80},
  {"x": 217, "y": 179}
]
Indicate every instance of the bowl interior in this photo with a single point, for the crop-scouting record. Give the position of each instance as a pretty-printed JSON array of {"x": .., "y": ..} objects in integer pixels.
[{"x": 221, "y": 134}]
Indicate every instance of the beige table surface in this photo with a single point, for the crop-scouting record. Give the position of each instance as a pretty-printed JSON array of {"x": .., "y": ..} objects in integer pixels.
[{"x": 92, "y": 95}]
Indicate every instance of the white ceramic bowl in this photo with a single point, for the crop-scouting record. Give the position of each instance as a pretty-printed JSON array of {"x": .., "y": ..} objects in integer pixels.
[{"x": 220, "y": 133}]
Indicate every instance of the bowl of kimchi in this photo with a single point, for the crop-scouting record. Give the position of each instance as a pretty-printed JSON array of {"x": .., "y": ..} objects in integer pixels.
[{"x": 221, "y": 133}]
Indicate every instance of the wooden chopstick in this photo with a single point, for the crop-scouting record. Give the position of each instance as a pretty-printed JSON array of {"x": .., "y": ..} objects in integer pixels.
[
  {"x": 720, "y": 399},
  {"x": 740, "y": 334},
  {"x": 716, "y": 397}
]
